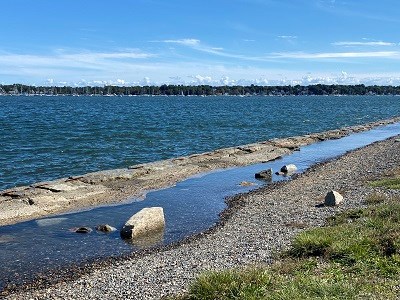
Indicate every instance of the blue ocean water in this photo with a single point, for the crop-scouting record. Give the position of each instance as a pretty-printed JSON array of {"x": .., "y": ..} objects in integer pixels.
[{"x": 44, "y": 138}]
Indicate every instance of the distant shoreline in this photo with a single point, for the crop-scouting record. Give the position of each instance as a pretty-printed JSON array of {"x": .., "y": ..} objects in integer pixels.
[{"x": 200, "y": 90}]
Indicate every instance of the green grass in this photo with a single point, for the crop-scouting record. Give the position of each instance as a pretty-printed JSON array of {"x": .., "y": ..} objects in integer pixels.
[
  {"x": 389, "y": 183},
  {"x": 375, "y": 198},
  {"x": 357, "y": 256}
]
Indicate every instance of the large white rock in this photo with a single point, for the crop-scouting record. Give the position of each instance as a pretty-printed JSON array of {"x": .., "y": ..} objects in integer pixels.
[
  {"x": 289, "y": 168},
  {"x": 148, "y": 220},
  {"x": 333, "y": 198}
]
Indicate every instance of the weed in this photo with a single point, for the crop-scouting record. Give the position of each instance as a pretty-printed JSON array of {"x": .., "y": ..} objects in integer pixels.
[
  {"x": 356, "y": 257},
  {"x": 375, "y": 198},
  {"x": 389, "y": 183}
]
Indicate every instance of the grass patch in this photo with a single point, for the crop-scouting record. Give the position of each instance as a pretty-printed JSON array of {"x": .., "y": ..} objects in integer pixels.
[
  {"x": 357, "y": 256},
  {"x": 375, "y": 198},
  {"x": 389, "y": 183}
]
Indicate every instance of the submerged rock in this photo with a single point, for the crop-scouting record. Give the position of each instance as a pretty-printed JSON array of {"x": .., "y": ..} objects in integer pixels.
[
  {"x": 50, "y": 221},
  {"x": 151, "y": 240},
  {"x": 83, "y": 229},
  {"x": 105, "y": 228},
  {"x": 333, "y": 198},
  {"x": 147, "y": 221},
  {"x": 247, "y": 183},
  {"x": 289, "y": 168},
  {"x": 265, "y": 175},
  {"x": 5, "y": 238}
]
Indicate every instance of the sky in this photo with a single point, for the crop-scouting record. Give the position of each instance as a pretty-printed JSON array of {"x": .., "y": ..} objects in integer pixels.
[{"x": 218, "y": 42}]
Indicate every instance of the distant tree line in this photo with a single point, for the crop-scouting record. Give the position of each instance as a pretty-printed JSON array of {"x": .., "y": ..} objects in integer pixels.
[{"x": 201, "y": 90}]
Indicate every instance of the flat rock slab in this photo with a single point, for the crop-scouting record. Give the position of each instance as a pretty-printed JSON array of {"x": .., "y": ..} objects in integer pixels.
[{"x": 60, "y": 187}]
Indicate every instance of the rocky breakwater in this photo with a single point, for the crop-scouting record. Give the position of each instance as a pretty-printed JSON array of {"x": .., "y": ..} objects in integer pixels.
[{"x": 112, "y": 186}]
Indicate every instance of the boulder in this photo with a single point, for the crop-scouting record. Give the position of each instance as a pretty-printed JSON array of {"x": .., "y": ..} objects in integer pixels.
[
  {"x": 265, "y": 175},
  {"x": 289, "y": 168},
  {"x": 333, "y": 198},
  {"x": 105, "y": 228},
  {"x": 148, "y": 220}
]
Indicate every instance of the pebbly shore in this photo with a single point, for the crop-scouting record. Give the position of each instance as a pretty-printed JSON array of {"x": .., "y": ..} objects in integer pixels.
[
  {"x": 252, "y": 230},
  {"x": 119, "y": 185}
]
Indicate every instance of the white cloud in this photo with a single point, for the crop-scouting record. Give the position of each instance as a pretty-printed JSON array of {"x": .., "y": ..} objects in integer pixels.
[
  {"x": 225, "y": 81},
  {"x": 68, "y": 60},
  {"x": 186, "y": 42},
  {"x": 198, "y": 79},
  {"x": 145, "y": 81},
  {"x": 328, "y": 55},
  {"x": 377, "y": 43},
  {"x": 287, "y": 37},
  {"x": 197, "y": 45},
  {"x": 135, "y": 67}
]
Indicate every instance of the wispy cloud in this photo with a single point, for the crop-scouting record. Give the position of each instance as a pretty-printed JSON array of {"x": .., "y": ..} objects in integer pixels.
[
  {"x": 377, "y": 43},
  {"x": 287, "y": 37},
  {"x": 290, "y": 39},
  {"x": 62, "y": 58},
  {"x": 64, "y": 65},
  {"x": 185, "y": 42},
  {"x": 199, "y": 46},
  {"x": 133, "y": 66},
  {"x": 328, "y": 55}
]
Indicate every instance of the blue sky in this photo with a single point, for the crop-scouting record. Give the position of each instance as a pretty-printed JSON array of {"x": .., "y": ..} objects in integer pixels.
[{"x": 129, "y": 42}]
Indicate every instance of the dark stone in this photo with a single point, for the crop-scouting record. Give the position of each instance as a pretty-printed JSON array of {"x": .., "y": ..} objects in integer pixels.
[
  {"x": 105, "y": 228},
  {"x": 265, "y": 175},
  {"x": 83, "y": 230}
]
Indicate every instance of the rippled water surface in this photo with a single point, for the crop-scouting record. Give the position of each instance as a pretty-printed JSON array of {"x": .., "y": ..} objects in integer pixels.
[{"x": 44, "y": 138}]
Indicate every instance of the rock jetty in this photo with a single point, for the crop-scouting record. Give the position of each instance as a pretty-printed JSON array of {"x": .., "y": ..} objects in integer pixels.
[{"x": 113, "y": 186}]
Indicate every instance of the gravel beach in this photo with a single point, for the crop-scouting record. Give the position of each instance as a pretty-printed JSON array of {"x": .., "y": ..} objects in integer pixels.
[{"x": 254, "y": 227}]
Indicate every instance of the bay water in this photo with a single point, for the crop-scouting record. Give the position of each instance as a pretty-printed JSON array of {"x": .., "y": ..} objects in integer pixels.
[{"x": 45, "y": 138}]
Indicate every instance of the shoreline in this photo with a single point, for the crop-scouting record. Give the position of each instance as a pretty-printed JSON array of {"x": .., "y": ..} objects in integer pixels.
[
  {"x": 252, "y": 229},
  {"x": 120, "y": 185}
]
